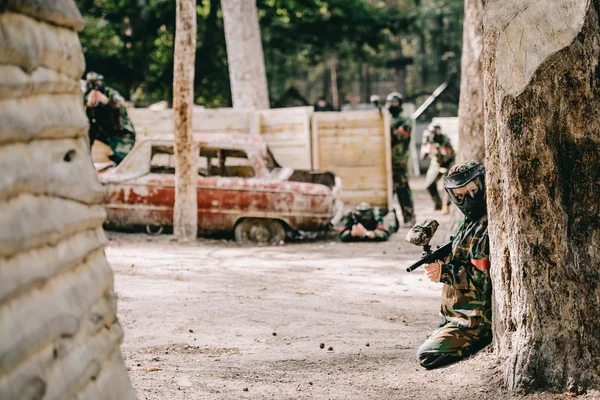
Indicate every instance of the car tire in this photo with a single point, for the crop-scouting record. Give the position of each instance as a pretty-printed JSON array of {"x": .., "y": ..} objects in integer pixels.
[
  {"x": 259, "y": 231},
  {"x": 154, "y": 230}
]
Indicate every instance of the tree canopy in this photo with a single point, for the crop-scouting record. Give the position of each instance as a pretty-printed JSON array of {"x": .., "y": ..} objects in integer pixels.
[{"x": 131, "y": 43}]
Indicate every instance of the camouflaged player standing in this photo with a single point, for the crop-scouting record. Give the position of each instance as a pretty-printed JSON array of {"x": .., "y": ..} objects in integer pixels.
[
  {"x": 437, "y": 146},
  {"x": 401, "y": 129},
  {"x": 109, "y": 122},
  {"x": 466, "y": 312}
]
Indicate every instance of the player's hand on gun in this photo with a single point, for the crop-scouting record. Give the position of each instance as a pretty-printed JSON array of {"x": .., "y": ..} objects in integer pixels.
[
  {"x": 358, "y": 230},
  {"x": 96, "y": 97},
  {"x": 434, "y": 270}
]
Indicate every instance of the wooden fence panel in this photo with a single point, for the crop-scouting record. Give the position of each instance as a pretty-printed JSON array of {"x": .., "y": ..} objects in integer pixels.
[
  {"x": 287, "y": 132},
  {"x": 356, "y": 146}
]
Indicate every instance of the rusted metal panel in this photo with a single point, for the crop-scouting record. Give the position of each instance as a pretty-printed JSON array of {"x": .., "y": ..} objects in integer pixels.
[{"x": 135, "y": 196}]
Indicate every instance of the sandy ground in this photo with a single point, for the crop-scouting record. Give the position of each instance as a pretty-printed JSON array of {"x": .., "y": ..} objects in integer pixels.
[{"x": 315, "y": 320}]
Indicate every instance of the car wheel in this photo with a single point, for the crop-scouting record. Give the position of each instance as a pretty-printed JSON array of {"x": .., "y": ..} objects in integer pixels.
[
  {"x": 259, "y": 231},
  {"x": 154, "y": 230}
]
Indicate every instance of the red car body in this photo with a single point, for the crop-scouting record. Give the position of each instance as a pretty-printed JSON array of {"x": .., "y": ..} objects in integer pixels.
[{"x": 238, "y": 178}]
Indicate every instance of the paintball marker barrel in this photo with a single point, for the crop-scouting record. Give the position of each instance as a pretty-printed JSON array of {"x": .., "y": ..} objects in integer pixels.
[{"x": 439, "y": 253}]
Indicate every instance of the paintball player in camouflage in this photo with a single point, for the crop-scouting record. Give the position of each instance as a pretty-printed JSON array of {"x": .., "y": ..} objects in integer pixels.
[
  {"x": 109, "y": 122},
  {"x": 466, "y": 312},
  {"x": 437, "y": 146},
  {"x": 401, "y": 129},
  {"x": 367, "y": 224}
]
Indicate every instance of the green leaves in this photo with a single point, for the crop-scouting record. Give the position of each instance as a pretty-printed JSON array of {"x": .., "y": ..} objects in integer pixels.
[{"x": 131, "y": 43}]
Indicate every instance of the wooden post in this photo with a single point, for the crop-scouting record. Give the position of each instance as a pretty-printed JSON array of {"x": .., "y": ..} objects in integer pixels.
[{"x": 185, "y": 215}]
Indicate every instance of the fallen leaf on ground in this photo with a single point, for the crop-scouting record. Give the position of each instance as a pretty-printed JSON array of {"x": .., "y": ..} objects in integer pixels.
[
  {"x": 152, "y": 369},
  {"x": 303, "y": 359}
]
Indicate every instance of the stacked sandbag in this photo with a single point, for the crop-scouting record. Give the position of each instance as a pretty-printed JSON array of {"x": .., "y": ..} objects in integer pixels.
[{"x": 59, "y": 334}]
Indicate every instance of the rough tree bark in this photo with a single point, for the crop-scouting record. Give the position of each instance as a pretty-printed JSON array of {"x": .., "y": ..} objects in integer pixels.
[
  {"x": 245, "y": 55},
  {"x": 470, "y": 112},
  {"x": 185, "y": 215},
  {"x": 542, "y": 93}
]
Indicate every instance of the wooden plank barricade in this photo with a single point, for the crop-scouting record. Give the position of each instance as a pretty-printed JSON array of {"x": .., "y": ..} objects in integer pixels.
[{"x": 355, "y": 145}]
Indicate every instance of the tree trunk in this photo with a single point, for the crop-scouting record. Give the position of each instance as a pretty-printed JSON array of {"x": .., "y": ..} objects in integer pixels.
[
  {"x": 185, "y": 215},
  {"x": 470, "y": 112},
  {"x": 400, "y": 77},
  {"x": 335, "y": 95},
  {"x": 245, "y": 55},
  {"x": 542, "y": 94},
  {"x": 365, "y": 83}
]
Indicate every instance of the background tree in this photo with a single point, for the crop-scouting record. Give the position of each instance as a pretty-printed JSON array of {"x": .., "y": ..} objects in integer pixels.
[
  {"x": 299, "y": 37},
  {"x": 542, "y": 137},
  {"x": 185, "y": 213},
  {"x": 245, "y": 55},
  {"x": 470, "y": 111}
]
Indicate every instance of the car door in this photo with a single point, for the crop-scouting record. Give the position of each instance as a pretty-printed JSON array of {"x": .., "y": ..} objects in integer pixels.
[{"x": 226, "y": 191}]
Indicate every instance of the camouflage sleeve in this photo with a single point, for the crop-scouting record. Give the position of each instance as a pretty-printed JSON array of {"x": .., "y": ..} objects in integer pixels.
[
  {"x": 345, "y": 233},
  {"x": 381, "y": 232},
  {"x": 446, "y": 152},
  {"x": 472, "y": 273}
]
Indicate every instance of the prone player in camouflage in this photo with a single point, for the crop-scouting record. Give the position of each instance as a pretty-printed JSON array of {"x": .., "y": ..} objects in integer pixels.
[
  {"x": 466, "y": 312},
  {"x": 109, "y": 122},
  {"x": 367, "y": 224},
  {"x": 401, "y": 129},
  {"x": 438, "y": 147}
]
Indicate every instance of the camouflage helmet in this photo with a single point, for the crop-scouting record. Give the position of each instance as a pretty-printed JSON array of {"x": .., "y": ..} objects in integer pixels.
[
  {"x": 94, "y": 76},
  {"x": 363, "y": 206},
  {"x": 394, "y": 96},
  {"x": 459, "y": 168}
]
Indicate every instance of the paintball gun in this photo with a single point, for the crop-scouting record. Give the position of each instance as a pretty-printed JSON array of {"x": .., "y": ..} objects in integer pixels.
[
  {"x": 376, "y": 100},
  {"x": 420, "y": 235},
  {"x": 354, "y": 217}
]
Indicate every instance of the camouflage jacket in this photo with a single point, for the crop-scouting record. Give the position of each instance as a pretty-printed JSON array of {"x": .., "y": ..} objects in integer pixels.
[
  {"x": 401, "y": 129},
  {"x": 444, "y": 154},
  {"x": 371, "y": 220},
  {"x": 111, "y": 117},
  {"x": 467, "y": 293}
]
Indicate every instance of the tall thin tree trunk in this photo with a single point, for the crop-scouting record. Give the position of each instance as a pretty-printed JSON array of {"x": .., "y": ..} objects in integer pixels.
[
  {"x": 542, "y": 94},
  {"x": 365, "y": 83},
  {"x": 185, "y": 215},
  {"x": 245, "y": 55},
  {"x": 471, "y": 136},
  {"x": 335, "y": 95},
  {"x": 470, "y": 112},
  {"x": 400, "y": 78}
]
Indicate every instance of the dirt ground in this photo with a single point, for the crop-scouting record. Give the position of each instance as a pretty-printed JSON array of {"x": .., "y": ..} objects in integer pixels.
[{"x": 314, "y": 320}]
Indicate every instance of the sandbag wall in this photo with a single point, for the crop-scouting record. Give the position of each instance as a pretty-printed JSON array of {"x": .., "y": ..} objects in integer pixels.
[{"x": 59, "y": 334}]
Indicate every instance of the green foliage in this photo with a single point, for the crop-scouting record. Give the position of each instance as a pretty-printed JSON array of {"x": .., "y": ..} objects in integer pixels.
[{"x": 131, "y": 43}]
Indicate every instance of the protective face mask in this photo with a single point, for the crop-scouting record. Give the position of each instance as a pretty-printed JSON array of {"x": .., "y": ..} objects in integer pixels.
[{"x": 473, "y": 208}]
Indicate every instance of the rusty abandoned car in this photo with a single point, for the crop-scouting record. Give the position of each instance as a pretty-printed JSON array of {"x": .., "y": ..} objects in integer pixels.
[{"x": 241, "y": 189}]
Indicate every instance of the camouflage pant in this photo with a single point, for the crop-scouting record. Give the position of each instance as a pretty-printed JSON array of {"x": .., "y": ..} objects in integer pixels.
[
  {"x": 449, "y": 344},
  {"x": 431, "y": 180},
  {"x": 400, "y": 177},
  {"x": 120, "y": 143}
]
